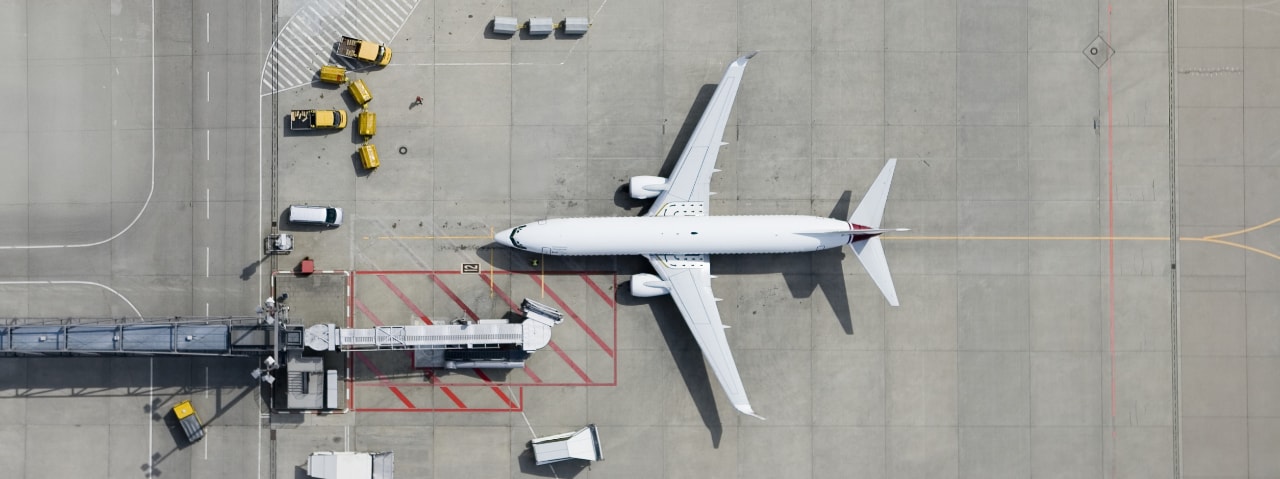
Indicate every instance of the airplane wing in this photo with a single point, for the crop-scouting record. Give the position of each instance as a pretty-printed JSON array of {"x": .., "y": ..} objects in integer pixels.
[
  {"x": 690, "y": 181},
  {"x": 689, "y": 280}
]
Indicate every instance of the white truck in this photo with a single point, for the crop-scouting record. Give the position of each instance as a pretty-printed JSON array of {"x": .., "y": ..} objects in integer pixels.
[{"x": 351, "y": 465}]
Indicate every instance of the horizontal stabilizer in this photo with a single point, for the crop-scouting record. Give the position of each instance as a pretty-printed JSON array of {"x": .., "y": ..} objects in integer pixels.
[
  {"x": 871, "y": 254},
  {"x": 871, "y": 209}
]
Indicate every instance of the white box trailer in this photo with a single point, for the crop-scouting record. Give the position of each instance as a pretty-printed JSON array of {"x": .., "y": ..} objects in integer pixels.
[
  {"x": 582, "y": 444},
  {"x": 351, "y": 465}
]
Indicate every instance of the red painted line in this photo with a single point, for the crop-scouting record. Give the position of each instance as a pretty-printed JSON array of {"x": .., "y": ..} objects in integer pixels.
[
  {"x": 453, "y": 397},
  {"x": 576, "y": 319},
  {"x": 454, "y": 297},
  {"x": 404, "y": 298},
  {"x": 363, "y": 309},
  {"x": 555, "y": 347},
  {"x": 456, "y": 272},
  {"x": 607, "y": 300},
  {"x": 534, "y": 377},
  {"x": 496, "y": 390},
  {"x": 382, "y": 378}
]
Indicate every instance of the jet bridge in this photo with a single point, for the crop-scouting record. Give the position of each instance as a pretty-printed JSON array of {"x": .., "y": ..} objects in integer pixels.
[
  {"x": 486, "y": 343},
  {"x": 205, "y": 336}
]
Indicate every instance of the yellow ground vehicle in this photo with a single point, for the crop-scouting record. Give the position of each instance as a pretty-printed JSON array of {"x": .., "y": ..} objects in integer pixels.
[
  {"x": 360, "y": 92},
  {"x": 365, "y": 50},
  {"x": 189, "y": 420},
  {"x": 368, "y": 122},
  {"x": 333, "y": 74},
  {"x": 317, "y": 119},
  {"x": 369, "y": 157}
]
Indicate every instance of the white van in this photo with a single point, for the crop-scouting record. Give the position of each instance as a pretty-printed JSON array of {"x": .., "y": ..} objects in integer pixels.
[{"x": 315, "y": 215}]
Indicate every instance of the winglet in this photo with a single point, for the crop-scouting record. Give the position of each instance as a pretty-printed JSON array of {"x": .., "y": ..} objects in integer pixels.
[{"x": 746, "y": 409}]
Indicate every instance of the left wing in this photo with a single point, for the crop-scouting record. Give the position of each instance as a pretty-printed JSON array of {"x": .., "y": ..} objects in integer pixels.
[
  {"x": 688, "y": 279},
  {"x": 690, "y": 181}
]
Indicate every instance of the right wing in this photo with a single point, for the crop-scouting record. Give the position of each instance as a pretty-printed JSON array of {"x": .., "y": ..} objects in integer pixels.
[
  {"x": 690, "y": 181},
  {"x": 689, "y": 282}
]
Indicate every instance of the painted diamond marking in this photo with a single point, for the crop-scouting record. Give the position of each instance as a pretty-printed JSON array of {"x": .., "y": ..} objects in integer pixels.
[{"x": 1099, "y": 52}]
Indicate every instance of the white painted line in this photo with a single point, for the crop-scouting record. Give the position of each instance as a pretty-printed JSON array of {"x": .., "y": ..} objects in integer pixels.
[
  {"x": 206, "y": 387},
  {"x": 206, "y": 203},
  {"x": 206, "y": 145},
  {"x": 207, "y": 85},
  {"x": 90, "y": 283},
  {"x": 206, "y": 261},
  {"x": 206, "y": 312},
  {"x": 206, "y": 40}
]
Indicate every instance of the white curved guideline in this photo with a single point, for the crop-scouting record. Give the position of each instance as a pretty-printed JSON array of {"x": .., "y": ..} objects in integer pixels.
[{"x": 88, "y": 283}]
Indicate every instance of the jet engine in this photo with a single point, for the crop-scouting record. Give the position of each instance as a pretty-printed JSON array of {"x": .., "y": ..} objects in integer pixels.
[
  {"x": 645, "y": 187},
  {"x": 645, "y": 285}
]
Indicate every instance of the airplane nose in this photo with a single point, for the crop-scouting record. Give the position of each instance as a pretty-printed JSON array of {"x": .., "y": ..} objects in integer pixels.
[{"x": 504, "y": 237}]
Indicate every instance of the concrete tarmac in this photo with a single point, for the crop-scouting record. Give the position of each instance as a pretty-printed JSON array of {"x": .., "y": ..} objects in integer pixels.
[{"x": 1079, "y": 295}]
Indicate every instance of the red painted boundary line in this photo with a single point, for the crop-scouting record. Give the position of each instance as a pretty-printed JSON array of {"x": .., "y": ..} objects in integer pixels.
[
  {"x": 404, "y": 299},
  {"x": 382, "y": 378},
  {"x": 582, "y": 374},
  {"x": 567, "y": 309}
]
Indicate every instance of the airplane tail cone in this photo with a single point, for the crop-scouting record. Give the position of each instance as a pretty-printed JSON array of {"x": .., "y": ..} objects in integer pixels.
[{"x": 867, "y": 216}]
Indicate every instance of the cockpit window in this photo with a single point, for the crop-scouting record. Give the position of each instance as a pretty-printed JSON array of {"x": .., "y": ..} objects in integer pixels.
[{"x": 513, "y": 237}]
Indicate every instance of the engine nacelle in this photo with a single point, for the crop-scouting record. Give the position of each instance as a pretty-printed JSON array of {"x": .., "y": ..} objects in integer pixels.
[
  {"x": 645, "y": 285},
  {"x": 645, "y": 187}
]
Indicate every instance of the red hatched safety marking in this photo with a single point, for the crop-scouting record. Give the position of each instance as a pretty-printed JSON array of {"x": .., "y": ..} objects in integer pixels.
[
  {"x": 497, "y": 391},
  {"x": 552, "y": 343},
  {"x": 461, "y": 384},
  {"x": 382, "y": 378},
  {"x": 567, "y": 309},
  {"x": 607, "y": 300},
  {"x": 449, "y": 292},
  {"x": 404, "y": 299}
]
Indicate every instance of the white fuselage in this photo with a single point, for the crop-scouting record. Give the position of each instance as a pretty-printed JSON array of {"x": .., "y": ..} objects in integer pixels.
[{"x": 677, "y": 235}]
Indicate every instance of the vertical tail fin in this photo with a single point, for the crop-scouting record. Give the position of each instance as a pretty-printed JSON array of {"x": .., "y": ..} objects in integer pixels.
[{"x": 868, "y": 248}]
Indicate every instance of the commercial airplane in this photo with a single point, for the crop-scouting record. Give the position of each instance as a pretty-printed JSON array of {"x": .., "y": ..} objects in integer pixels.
[{"x": 678, "y": 235}]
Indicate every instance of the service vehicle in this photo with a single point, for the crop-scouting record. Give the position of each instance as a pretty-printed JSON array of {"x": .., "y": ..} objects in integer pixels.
[
  {"x": 364, "y": 50},
  {"x": 317, "y": 119},
  {"x": 315, "y": 215},
  {"x": 189, "y": 420}
]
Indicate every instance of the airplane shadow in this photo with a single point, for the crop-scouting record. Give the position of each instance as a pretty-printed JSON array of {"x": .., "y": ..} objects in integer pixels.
[
  {"x": 622, "y": 196},
  {"x": 687, "y": 355}
]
